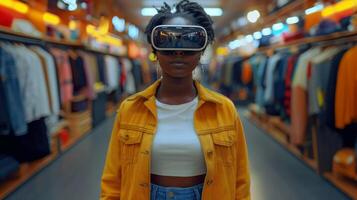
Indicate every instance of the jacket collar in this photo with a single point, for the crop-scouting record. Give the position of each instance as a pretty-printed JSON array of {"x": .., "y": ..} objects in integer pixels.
[{"x": 203, "y": 93}]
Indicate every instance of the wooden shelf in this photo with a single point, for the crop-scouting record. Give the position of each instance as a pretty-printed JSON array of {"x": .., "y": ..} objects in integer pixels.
[
  {"x": 267, "y": 21},
  {"x": 26, "y": 171},
  {"x": 348, "y": 186},
  {"x": 277, "y": 130},
  {"x": 273, "y": 127},
  {"x": 103, "y": 52},
  {"x": 73, "y": 140},
  {"x": 47, "y": 39},
  {"x": 332, "y": 37}
]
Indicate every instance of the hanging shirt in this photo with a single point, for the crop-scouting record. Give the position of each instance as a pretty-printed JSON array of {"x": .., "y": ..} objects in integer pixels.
[
  {"x": 51, "y": 80},
  {"x": 346, "y": 90},
  {"x": 299, "y": 107},
  {"x": 269, "y": 78},
  {"x": 64, "y": 74},
  {"x": 32, "y": 83},
  {"x": 112, "y": 72},
  {"x": 130, "y": 82},
  {"x": 12, "y": 115},
  {"x": 317, "y": 84}
]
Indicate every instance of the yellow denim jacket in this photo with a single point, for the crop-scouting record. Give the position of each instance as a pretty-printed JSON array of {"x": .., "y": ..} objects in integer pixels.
[{"x": 126, "y": 174}]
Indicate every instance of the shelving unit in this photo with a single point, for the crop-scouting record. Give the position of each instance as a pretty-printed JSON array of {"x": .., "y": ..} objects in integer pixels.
[
  {"x": 278, "y": 130},
  {"x": 347, "y": 186},
  {"x": 78, "y": 124},
  {"x": 28, "y": 170},
  {"x": 47, "y": 40},
  {"x": 335, "y": 37},
  {"x": 283, "y": 13}
]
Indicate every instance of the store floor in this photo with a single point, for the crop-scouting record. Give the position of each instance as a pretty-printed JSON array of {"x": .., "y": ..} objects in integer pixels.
[{"x": 276, "y": 174}]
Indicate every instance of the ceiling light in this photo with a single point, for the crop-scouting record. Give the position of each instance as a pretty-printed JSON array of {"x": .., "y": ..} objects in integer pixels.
[
  {"x": 242, "y": 21},
  {"x": 292, "y": 20},
  {"x": 84, "y": 5},
  {"x": 51, "y": 18},
  {"x": 253, "y": 16},
  {"x": 234, "y": 44},
  {"x": 214, "y": 11},
  {"x": 148, "y": 11},
  {"x": 314, "y": 9},
  {"x": 278, "y": 26},
  {"x": 21, "y": 7},
  {"x": 209, "y": 11},
  {"x": 72, "y": 7},
  {"x": 119, "y": 24},
  {"x": 267, "y": 31},
  {"x": 258, "y": 35},
  {"x": 249, "y": 38}
]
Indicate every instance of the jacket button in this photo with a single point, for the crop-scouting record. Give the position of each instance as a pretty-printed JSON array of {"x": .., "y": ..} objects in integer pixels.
[
  {"x": 145, "y": 152},
  {"x": 144, "y": 184},
  {"x": 126, "y": 137},
  {"x": 209, "y": 152},
  {"x": 209, "y": 182}
]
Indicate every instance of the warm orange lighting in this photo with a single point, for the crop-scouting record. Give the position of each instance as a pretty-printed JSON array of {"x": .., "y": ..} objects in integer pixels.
[
  {"x": 72, "y": 25},
  {"x": 90, "y": 29},
  {"x": 222, "y": 51},
  {"x": 103, "y": 26},
  {"x": 339, "y": 7},
  {"x": 51, "y": 18},
  {"x": 15, "y": 5},
  {"x": 110, "y": 40}
]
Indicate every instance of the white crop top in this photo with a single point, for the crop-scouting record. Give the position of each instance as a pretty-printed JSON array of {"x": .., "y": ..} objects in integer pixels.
[{"x": 176, "y": 149}]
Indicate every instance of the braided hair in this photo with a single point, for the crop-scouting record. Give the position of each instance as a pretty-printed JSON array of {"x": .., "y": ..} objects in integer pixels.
[{"x": 186, "y": 9}]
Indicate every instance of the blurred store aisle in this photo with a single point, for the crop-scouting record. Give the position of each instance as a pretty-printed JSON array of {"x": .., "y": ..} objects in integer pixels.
[{"x": 276, "y": 174}]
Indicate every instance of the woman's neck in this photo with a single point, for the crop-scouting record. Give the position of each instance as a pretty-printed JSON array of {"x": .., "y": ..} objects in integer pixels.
[{"x": 176, "y": 90}]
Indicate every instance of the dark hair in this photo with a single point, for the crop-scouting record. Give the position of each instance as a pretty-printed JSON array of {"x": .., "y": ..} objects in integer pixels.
[{"x": 186, "y": 9}]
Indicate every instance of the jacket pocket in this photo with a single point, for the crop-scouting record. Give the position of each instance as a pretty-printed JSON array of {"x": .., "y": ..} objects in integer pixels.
[
  {"x": 131, "y": 141},
  {"x": 224, "y": 146}
]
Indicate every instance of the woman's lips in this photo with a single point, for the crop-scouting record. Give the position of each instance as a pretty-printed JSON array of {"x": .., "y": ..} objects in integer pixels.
[{"x": 178, "y": 64}]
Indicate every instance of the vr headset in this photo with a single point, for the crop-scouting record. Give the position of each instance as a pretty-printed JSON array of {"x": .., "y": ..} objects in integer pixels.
[{"x": 188, "y": 38}]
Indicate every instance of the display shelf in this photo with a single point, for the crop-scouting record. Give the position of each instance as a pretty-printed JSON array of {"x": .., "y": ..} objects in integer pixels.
[
  {"x": 347, "y": 186},
  {"x": 335, "y": 37},
  {"x": 267, "y": 21},
  {"x": 21, "y": 37},
  {"x": 273, "y": 129},
  {"x": 102, "y": 52},
  {"x": 34, "y": 39},
  {"x": 79, "y": 125},
  {"x": 26, "y": 171},
  {"x": 74, "y": 139}
]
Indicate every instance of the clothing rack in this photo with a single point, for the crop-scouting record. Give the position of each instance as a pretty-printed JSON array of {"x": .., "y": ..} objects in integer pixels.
[
  {"x": 335, "y": 38},
  {"x": 17, "y": 38}
]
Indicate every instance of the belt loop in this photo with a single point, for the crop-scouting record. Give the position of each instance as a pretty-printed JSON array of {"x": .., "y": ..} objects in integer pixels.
[
  {"x": 154, "y": 189},
  {"x": 197, "y": 193}
]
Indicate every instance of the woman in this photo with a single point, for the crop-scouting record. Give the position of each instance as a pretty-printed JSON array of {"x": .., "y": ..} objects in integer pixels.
[{"x": 177, "y": 139}]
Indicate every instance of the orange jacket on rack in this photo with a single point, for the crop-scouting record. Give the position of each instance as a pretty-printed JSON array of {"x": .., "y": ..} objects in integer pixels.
[{"x": 126, "y": 174}]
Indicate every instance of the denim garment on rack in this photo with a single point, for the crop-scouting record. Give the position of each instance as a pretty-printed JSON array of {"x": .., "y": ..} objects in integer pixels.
[{"x": 12, "y": 115}]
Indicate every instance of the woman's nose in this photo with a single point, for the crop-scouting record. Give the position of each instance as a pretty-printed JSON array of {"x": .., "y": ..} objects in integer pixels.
[{"x": 178, "y": 53}]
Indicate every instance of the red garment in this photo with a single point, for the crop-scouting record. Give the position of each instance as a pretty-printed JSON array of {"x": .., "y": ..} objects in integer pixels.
[
  {"x": 288, "y": 82},
  {"x": 247, "y": 73},
  {"x": 298, "y": 115},
  {"x": 64, "y": 74},
  {"x": 7, "y": 16}
]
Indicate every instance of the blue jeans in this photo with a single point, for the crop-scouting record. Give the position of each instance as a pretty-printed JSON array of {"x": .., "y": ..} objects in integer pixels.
[{"x": 176, "y": 193}]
